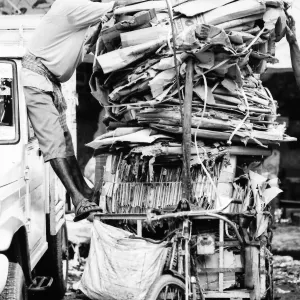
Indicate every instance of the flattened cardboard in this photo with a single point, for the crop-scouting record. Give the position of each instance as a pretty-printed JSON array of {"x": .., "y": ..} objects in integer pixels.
[{"x": 193, "y": 8}]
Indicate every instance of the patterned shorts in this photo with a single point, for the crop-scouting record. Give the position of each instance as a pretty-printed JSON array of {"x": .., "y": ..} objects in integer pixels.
[{"x": 50, "y": 126}]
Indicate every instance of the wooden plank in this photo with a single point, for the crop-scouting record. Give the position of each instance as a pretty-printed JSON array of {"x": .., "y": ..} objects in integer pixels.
[
  {"x": 229, "y": 244},
  {"x": 139, "y": 227},
  {"x": 290, "y": 203},
  {"x": 242, "y": 150},
  {"x": 220, "y": 270},
  {"x": 244, "y": 294},
  {"x": 252, "y": 279},
  {"x": 186, "y": 135},
  {"x": 262, "y": 272}
]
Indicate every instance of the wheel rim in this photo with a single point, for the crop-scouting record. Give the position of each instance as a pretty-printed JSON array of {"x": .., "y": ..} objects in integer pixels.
[
  {"x": 171, "y": 292},
  {"x": 65, "y": 254}
]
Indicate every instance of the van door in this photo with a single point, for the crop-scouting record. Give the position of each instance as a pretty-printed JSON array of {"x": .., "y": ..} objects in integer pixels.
[{"x": 36, "y": 204}]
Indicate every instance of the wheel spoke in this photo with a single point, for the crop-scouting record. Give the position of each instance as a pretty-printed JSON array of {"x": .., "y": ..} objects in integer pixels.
[
  {"x": 167, "y": 288},
  {"x": 166, "y": 292},
  {"x": 170, "y": 292}
]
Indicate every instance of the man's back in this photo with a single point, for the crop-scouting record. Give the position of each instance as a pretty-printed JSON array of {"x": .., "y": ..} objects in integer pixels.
[{"x": 59, "y": 39}]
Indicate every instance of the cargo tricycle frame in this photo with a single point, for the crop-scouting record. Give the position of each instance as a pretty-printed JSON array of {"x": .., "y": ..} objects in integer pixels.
[{"x": 181, "y": 278}]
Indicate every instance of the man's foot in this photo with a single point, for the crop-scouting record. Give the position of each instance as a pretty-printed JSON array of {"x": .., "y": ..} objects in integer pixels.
[{"x": 84, "y": 208}]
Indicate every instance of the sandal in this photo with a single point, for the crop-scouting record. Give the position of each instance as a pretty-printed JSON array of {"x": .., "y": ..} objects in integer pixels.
[{"x": 84, "y": 208}]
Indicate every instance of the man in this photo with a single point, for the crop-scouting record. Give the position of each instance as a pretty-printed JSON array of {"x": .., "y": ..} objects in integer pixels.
[
  {"x": 294, "y": 48},
  {"x": 53, "y": 54}
]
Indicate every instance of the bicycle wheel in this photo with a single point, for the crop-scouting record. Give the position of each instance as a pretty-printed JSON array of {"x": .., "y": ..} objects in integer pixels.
[{"x": 166, "y": 287}]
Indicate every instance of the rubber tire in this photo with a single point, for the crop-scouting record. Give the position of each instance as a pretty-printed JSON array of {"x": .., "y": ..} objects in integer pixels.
[
  {"x": 52, "y": 265},
  {"x": 160, "y": 283},
  {"x": 15, "y": 288}
]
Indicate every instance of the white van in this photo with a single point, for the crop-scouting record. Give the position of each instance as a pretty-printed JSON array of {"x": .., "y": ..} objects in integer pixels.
[{"x": 33, "y": 234}]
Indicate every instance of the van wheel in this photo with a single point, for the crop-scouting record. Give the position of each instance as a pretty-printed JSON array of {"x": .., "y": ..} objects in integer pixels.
[
  {"x": 15, "y": 288},
  {"x": 59, "y": 250},
  {"x": 55, "y": 263}
]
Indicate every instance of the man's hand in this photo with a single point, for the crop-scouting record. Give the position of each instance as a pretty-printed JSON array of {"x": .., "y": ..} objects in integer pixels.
[
  {"x": 291, "y": 30},
  {"x": 117, "y": 4}
]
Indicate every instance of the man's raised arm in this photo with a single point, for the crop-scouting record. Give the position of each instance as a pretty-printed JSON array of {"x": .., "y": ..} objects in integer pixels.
[
  {"x": 294, "y": 48},
  {"x": 88, "y": 13}
]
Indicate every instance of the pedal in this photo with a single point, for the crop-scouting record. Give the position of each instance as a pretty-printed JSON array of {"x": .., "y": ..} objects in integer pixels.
[{"x": 40, "y": 284}]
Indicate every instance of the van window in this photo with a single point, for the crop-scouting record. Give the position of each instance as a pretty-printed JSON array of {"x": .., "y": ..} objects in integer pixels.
[{"x": 7, "y": 102}]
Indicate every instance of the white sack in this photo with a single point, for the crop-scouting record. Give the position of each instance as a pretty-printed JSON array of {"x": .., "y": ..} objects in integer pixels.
[{"x": 118, "y": 267}]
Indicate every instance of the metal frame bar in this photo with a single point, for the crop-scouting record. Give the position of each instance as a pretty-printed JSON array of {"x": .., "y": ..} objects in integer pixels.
[
  {"x": 138, "y": 217},
  {"x": 121, "y": 216},
  {"x": 202, "y": 214},
  {"x": 221, "y": 255},
  {"x": 194, "y": 215},
  {"x": 13, "y": 6},
  {"x": 243, "y": 294}
]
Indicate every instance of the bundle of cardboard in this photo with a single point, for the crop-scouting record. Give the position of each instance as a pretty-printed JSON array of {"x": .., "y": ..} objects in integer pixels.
[{"x": 140, "y": 70}]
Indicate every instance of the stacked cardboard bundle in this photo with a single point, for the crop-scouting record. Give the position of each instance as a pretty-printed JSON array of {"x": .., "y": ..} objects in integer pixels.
[
  {"x": 153, "y": 55},
  {"x": 136, "y": 182}
]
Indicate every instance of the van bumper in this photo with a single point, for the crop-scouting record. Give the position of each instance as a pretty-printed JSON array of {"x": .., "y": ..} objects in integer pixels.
[{"x": 4, "y": 263}]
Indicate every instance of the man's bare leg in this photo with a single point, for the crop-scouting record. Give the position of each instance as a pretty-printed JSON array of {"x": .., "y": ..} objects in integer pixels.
[
  {"x": 62, "y": 169},
  {"x": 81, "y": 184}
]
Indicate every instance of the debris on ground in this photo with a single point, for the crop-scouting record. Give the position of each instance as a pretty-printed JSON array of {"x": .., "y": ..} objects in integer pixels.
[{"x": 286, "y": 278}]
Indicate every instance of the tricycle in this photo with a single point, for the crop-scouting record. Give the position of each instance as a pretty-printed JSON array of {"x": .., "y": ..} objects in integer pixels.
[
  {"x": 210, "y": 255},
  {"x": 209, "y": 258},
  {"x": 219, "y": 246}
]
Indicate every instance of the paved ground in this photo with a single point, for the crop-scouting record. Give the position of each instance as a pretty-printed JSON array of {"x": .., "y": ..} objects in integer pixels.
[{"x": 286, "y": 269}]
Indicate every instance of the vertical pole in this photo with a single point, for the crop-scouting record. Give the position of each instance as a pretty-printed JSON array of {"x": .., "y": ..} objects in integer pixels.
[
  {"x": 139, "y": 227},
  {"x": 186, "y": 131},
  {"x": 187, "y": 271},
  {"x": 221, "y": 255}
]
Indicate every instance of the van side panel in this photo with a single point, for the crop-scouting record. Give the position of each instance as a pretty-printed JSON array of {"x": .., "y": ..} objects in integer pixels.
[{"x": 7, "y": 232}]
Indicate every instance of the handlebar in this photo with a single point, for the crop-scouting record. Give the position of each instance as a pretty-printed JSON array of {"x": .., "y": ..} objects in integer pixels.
[{"x": 197, "y": 214}]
